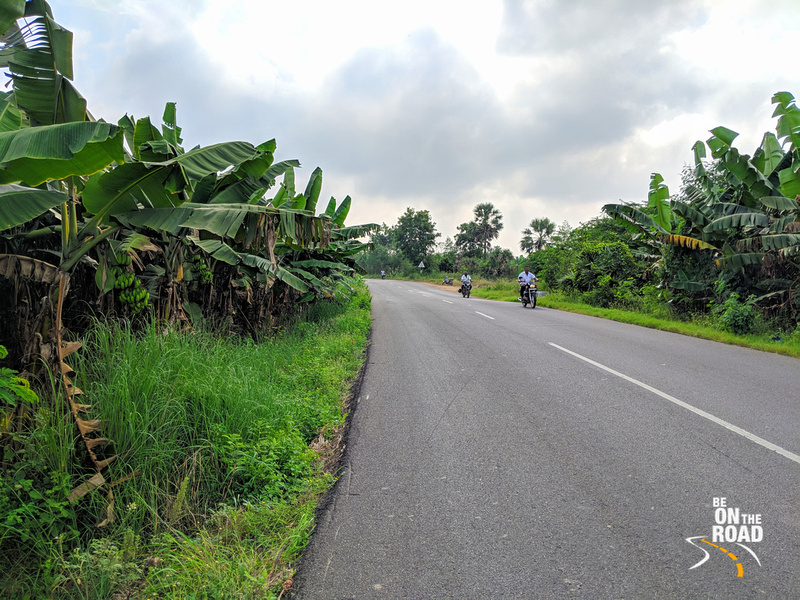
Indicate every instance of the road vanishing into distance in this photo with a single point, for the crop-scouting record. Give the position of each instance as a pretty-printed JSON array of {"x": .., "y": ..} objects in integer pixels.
[{"x": 501, "y": 452}]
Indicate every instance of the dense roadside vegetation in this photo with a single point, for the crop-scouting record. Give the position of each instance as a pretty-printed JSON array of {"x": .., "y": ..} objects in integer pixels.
[
  {"x": 215, "y": 484},
  {"x": 180, "y": 331},
  {"x": 724, "y": 251}
]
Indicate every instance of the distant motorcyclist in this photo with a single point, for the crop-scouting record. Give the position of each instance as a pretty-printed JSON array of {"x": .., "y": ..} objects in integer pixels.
[
  {"x": 383, "y": 274},
  {"x": 466, "y": 284},
  {"x": 525, "y": 278}
]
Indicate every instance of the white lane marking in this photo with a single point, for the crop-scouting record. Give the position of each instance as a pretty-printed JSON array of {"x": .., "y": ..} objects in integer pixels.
[
  {"x": 483, "y": 315},
  {"x": 448, "y": 301},
  {"x": 730, "y": 426}
]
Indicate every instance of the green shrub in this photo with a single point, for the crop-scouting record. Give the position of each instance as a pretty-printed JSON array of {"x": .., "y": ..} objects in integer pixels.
[
  {"x": 736, "y": 316},
  {"x": 274, "y": 462},
  {"x": 602, "y": 294}
]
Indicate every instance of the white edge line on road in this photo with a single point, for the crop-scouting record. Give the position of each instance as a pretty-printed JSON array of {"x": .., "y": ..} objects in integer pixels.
[
  {"x": 750, "y": 436},
  {"x": 483, "y": 315},
  {"x": 448, "y": 301}
]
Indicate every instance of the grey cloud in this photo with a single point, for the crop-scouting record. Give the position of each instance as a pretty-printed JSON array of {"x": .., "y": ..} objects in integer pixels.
[
  {"x": 555, "y": 26},
  {"x": 424, "y": 120}
]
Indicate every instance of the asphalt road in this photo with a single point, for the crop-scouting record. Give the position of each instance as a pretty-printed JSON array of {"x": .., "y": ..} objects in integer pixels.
[{"x": 502, "y": 452}]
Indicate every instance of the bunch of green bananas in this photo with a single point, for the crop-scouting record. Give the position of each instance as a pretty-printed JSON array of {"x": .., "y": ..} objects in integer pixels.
[
  {"x": 136, "y": 297},
  {"x": 125, "y": 280},
  {"x": 201, "y": 269},
  {"x": 131, "y": 291}
]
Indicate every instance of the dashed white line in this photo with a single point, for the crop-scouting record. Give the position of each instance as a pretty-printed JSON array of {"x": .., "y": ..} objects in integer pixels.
[
  {"x": 730, "y": 426},
  {"x": 483, "y": 315},
  {"x": 448, "y": 301}
]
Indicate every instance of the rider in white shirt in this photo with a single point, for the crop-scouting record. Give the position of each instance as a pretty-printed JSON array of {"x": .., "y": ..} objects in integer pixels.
[
  {"x": 524, "y": 278},
  {"x": 466, "y": 280}
]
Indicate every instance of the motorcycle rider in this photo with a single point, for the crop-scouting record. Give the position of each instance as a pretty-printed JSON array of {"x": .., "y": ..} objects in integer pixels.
[
  {"x": 524, "y": 279},
  {"x": 466, "y": 280}
]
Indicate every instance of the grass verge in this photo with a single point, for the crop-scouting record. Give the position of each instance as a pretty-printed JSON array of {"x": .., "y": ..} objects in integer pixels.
[{"x": 216, "y": 479}]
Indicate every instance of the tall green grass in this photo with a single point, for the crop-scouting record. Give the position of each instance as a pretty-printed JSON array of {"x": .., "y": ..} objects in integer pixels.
[{"x": 211, "y": 437}]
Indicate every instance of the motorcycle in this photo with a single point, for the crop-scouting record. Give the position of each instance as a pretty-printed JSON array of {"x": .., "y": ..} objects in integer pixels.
[
  {"x": 529, "y": 293},
  {"x": 465, "y": 289}
]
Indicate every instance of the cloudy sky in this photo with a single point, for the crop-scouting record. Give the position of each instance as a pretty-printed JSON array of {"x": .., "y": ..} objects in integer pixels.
[{"x": 546, "y": 108}]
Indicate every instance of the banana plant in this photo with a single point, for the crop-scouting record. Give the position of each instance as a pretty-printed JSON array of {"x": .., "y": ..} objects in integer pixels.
[
  {"x": 48, "y": 143},
  {"x": 39, "y": 58},
  {"x": 743, "y": 208}
]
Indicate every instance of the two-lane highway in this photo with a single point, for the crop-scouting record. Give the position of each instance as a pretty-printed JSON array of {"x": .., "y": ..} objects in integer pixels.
[{"x": 502, "y": 452}]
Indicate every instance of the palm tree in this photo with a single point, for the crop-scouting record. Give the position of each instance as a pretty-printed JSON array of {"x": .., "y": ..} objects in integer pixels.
[
  {"x": 536, "y": 235},
  {"x": 489, "y": 223}
]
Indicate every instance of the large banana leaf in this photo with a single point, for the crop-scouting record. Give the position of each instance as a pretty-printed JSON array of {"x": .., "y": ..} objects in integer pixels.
[
  {"x": 313, "y": 190},
  {"x": 41, "y": 70},
  {"x": 320, "y": 264},
  {"x": 170, "y": 129},
  {"x": 223, "y": 220},
  {"x": 684, "y": 283},
  {"x": 38, "y": 154},
  {"x": 721, "y": 141},
  {"x": 20, "y": 204},
  {"x": 299, "y": 202},
  {"x": 780, "y": 203},
  {"x": 738, "y": 261},
  {"x": 769, "y": 155},
  {"x": 221, "y": 251},
  {"x": 697, "y": 218},
  {"x": 121, "y": 190},
  {"x": 265, "y": 266},
  {"x": 281, "y": 168},
  {"x": 745, "y": 219},
  {"x": 633, "y": 219},
  {"x": 788, "y": 118},
  {"x": 128, "y": 187},
  {"x": 780, "y": 224},
  {"x": 349, "y": 247},
  {"x": 331, "y": 208},
  {"x": 13, "y": 265},
  {"x": 790, "y": 181},
  {"x": 354, "y": 231},
  {"x": 658, "y": 202},
  {"x": 217, "y": 249},
  {"x": 10, "y": 116},
  {"x": 242, "y": 191},
  {"x": 780, "y": 241},
  {"x": 341, "y": 212},
  {"x": 318, "y": 284},
  {"x": 687, "y": 242},
  {"x": 10, "y": 11},
  {"x": 200, "y": 162}
]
